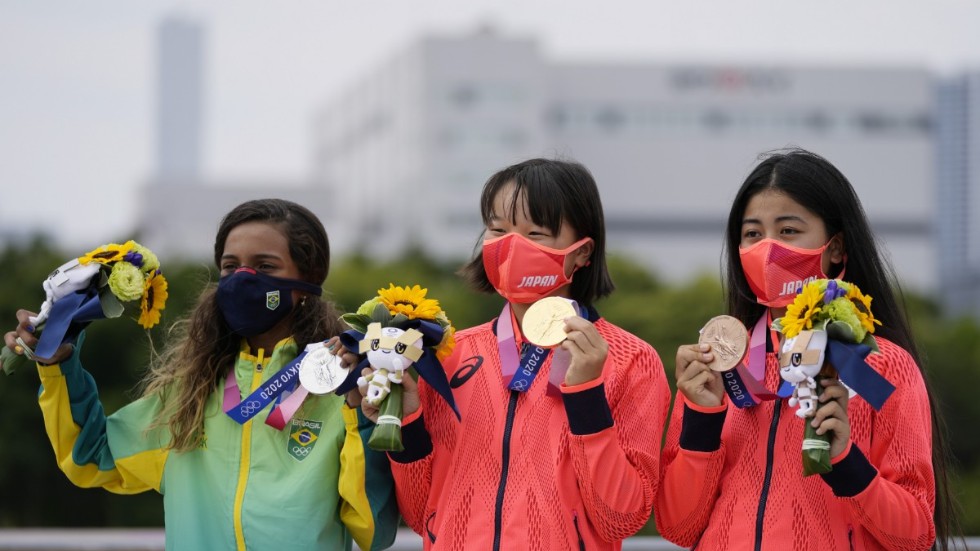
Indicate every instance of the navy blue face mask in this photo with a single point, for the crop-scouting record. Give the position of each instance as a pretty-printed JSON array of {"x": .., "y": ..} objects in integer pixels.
[{"x": 253, "y": 302}]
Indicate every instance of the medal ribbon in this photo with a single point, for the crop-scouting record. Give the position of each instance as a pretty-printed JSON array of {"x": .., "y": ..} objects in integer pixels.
[
  {"x": 854, "y": 371},
  {"x": 744, "y": 384},
  {"x": 272, "y": 390},
  {"x": 523, "y": 371}
]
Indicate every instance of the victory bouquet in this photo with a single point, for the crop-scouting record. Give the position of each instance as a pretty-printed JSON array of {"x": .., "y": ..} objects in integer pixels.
[
  {"x": 97, "y": 285},
  {"x": 396, "y": 330},
  {"x": 828, "y": 332}
]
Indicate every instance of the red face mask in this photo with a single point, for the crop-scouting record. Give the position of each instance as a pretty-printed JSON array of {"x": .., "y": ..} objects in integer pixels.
[
  {"x": 777, "y": 271},
  {"x": 523, "y": 271}
]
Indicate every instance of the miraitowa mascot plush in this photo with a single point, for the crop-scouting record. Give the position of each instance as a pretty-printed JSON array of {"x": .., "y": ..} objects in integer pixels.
[
  {"x": 390, "y": 351},
  {"x": 801, "y": 360},
  {"x": 398, "y": 334}
]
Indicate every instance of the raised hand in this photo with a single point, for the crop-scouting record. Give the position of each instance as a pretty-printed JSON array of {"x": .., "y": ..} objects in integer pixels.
[{"x": 699, "y": 384}]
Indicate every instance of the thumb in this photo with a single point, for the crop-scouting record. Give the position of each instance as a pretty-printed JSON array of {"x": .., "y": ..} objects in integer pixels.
[{"x": 409, "y": 384}]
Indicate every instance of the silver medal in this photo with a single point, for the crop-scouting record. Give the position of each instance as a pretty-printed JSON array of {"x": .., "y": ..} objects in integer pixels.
[{"x": 320, "y": 371}]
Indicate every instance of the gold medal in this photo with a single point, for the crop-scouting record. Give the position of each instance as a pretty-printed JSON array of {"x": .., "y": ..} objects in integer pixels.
[
  {"x": 729, "y": 341},
  {"x": 320, "y": 371},
  {"x": 544, "y": 321}
]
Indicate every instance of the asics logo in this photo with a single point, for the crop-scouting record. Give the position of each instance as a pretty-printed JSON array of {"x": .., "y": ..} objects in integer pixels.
[
  {"x": 467, "y": 370},
  {"x": 537, "y": 281}
]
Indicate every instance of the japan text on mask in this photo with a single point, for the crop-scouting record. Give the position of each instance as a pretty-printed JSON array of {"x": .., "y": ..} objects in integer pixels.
[
  {"x": 523, "y": 271},
  {"x": 777, "y": 271}
]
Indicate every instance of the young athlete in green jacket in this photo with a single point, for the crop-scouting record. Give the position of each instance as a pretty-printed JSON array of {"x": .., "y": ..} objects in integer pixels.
[{"x": 200, "y": 434}]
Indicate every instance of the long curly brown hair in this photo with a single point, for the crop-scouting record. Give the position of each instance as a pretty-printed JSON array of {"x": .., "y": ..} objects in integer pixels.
[{"x": 202, "y": 348}]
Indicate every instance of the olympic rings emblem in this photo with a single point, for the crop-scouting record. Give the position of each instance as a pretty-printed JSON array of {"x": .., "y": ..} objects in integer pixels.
[
  {"x": 250, "y": 407},
  {"x": 301, "y": 451},
  {"x": 520, "y": 384}
]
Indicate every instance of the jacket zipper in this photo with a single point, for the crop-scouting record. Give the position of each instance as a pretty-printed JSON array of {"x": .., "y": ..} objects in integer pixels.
[
  {"x": 498, "y": 515},
  {"x": 581, "y": 542},
  {"x": 764, "y": 496},
  {"x": 245, "y": 459}
]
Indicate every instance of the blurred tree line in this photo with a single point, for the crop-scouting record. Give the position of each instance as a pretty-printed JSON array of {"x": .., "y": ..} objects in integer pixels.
[{"x": 35, "y": 493}]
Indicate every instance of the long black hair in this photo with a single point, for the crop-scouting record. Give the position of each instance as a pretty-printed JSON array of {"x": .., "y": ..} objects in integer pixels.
[
  {"x": 818, "y": 186},
  {"x": 557, "y": 192}
]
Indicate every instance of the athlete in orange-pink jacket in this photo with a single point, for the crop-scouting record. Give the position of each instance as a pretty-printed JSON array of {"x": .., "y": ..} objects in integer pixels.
[
  {"x": 555, "y": 449},
  {"x": 732, "y": 474},
  {"x": 534, "y": 470}
]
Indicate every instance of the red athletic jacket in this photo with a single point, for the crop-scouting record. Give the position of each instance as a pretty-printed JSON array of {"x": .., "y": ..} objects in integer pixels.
[
  {"x": 747, "y": 491},
  {"x": 535, "y": 470}
]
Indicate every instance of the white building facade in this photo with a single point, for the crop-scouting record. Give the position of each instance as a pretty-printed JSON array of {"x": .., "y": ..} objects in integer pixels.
[
  {"x": 958, "y": 167},
  {"x": 406, "y": 150}
]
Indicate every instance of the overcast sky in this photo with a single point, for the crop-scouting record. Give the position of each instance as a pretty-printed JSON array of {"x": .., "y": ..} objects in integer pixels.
[{"x": 77, "y": 78}]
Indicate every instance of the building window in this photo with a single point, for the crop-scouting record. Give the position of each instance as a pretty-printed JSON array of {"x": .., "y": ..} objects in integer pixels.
[
  {"x": 716, "y": 120},
  {"x": 464, "y": 96},
  {"x": 609, "y": 119}
]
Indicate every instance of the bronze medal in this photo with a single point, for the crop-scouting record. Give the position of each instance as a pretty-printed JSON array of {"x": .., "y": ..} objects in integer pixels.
[{"x": 729, "y": 341}]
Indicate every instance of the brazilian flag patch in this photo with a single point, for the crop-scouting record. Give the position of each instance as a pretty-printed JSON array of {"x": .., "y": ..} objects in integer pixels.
[
  {"x": 272, "y": 300},
  {"x": 303, "y": 435}
]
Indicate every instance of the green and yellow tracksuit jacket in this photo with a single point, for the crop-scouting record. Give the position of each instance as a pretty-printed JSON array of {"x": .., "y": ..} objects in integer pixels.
[{"x": 313, "y": 485}]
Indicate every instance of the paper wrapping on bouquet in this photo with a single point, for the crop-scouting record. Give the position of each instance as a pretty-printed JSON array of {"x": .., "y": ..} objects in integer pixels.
[
  {"x": 428, "y": 366},
  {"x": 68, "y": 317},
  {"x": 387, "y": 435},
  {"x": 816, "y": 447}
]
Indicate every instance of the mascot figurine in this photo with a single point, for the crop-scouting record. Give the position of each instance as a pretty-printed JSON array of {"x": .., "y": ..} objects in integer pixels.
[{"x": 399, "y": 333}]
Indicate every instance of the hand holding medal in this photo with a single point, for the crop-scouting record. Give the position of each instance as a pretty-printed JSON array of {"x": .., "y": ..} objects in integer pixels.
[
  {"x": 705, "y": 371},
  {"x": 321, "y": 370},
  {"x": 729, "y": 342},
  {"x": 544, "y": 321},
  {"x": 580, "y": 352}
]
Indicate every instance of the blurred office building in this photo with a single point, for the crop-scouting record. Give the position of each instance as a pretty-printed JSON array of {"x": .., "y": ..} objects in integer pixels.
[
  {"x": 401, "y": 155},
  {"x": 958, "y": 169},
  {"x": 180, "y": 207},
  {"x": 409, "y": 146},
  {"x": 180, "y": 98}
]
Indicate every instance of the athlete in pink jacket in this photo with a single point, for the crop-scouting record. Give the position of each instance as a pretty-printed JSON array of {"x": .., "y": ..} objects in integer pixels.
[
  {"x": 733, "y": 476},
  {"x": 555, "y": 449}
]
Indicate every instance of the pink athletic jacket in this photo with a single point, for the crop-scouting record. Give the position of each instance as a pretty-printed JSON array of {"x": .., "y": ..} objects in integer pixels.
[
  {"x": 572, "y": 469},
  {"x": 733, "y": 479}
]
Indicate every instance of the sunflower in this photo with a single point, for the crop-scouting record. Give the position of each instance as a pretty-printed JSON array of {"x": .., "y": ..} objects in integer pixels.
[
  {"x": 862, "y": 304},
  {"x": 154, "y": 300},
  {"x": 800, "y": 314},
  {"x": 445, "y": 347},
  {"x": 410, "y": 302},
  {"x": 107, "y": 254}
]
